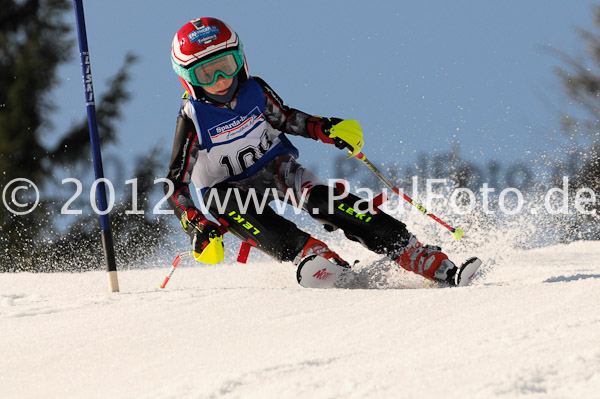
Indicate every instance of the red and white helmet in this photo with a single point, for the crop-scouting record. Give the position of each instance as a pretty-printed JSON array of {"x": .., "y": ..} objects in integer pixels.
[{"x": 200, "y": 42}]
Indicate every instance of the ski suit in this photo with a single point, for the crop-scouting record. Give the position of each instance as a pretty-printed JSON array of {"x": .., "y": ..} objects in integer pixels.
[{"x": 242, "y": 145}]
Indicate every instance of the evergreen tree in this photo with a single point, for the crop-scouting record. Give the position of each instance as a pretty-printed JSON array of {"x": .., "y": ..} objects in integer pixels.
[
  {"x": 581, "y": 79},
  {"x": 35, "y": 39}
]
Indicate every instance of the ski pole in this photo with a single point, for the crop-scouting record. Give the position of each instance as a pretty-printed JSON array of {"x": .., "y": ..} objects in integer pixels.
[
  {"x": 182, "y": 255},
  {"x": 456, "y": 232}
]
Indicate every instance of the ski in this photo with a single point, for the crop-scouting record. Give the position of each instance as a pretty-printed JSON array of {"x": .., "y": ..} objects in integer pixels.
[
  {"x": 317, "y": 272},
  {"x": 467, "y": 271}
]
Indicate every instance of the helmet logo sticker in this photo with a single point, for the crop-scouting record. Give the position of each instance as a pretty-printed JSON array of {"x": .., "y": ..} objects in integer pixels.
[{"x": 204, "y": 35}]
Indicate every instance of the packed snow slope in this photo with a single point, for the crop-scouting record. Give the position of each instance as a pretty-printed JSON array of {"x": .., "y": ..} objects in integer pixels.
[{"x": 528, "y": 327}]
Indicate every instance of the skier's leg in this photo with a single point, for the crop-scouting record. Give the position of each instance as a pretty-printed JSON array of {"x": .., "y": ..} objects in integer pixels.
[
  {"x": 271, "y": 233},
  {"x": 379, "y": 232}
]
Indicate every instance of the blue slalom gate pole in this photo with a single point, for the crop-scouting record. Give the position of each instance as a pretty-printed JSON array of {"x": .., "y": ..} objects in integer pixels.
[{"x": 107, "y": 240}]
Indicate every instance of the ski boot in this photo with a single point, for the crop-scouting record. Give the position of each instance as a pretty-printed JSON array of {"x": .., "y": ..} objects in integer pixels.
[
  {"x": 316, "y": 247},
  {"x": 428, "y": 261}
]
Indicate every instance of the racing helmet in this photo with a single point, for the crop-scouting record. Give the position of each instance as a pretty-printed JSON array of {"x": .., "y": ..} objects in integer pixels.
[{"x": 204, "y": 49}]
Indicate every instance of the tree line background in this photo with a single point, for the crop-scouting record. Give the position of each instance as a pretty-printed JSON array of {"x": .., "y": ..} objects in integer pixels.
[{"x": 35, "y": 40}]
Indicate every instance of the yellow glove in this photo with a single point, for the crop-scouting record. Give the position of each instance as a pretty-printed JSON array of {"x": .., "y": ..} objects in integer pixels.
[
  {"x": 211, "y": 251},
  {"x": 347, "y": 134},
  {"x": 206, "y": 237}
]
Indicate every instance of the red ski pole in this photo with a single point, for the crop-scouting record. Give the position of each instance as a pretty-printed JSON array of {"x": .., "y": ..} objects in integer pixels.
[
  {"x": 456, "y": 232},
  {"x": 182, "y": 255}
]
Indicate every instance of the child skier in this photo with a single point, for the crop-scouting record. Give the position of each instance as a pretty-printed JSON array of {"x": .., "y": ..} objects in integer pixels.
[{"x": 231, "y": 134}]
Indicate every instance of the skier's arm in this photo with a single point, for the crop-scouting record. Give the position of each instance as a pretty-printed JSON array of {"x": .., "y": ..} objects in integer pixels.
[
  {"x": 343, "y": 134},
  {"x": 201, "y": 230},
  {"x": 282, "y": 117},
  {"x": 180, "y": 167}
]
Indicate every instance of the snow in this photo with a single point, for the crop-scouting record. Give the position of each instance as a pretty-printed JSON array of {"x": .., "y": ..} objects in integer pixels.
[{"x": 528, "y": 327}]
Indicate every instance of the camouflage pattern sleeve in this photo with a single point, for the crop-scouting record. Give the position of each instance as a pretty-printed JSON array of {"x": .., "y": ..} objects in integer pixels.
[{"x": 284, "y": 118}]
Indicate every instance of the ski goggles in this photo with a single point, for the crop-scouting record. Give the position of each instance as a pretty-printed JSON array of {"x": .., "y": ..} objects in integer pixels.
[{"x": 205, "y": 73}]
